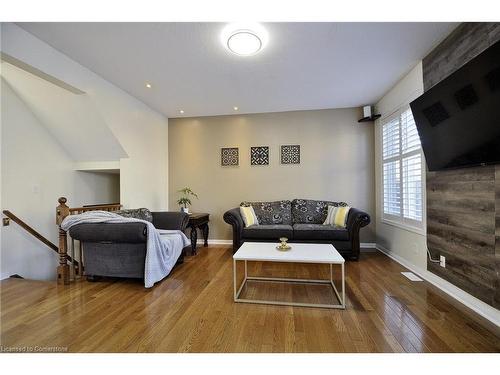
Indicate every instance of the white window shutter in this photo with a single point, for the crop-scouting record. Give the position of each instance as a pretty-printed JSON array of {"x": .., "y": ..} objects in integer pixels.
[
  {"x": 412, "y": 187},
  {"x": 392, "y": 188},
  {"x": 402, "y": 170},
  {"x": 391, "y": 138},
  {"x": 409, "y": 134}
]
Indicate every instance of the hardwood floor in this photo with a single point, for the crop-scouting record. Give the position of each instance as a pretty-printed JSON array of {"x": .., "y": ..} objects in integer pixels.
[{"x": 193, "y": 311}]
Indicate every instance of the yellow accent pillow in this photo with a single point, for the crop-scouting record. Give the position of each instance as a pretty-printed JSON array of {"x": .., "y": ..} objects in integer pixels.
[
  {"x": 337, "y": 216},
  {"x": 248, "y": 215}
]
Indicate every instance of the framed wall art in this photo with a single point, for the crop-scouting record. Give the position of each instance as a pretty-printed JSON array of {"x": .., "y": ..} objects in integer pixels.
[
  {"x": 229, "y": 156},
  {"x": 290, "y": 154},
  {"x": 259, "y": 155}
]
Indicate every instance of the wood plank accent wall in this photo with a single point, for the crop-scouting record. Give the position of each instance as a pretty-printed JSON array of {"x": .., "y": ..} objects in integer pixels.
[
  {"x": 463, "y": 205},
  {"x": 496, "y": 301}
]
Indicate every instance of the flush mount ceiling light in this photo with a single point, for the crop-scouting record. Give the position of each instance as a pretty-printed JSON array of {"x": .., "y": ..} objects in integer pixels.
[
  {"x": 244, "y": 39},
  {"x": 148, "y": 85}
]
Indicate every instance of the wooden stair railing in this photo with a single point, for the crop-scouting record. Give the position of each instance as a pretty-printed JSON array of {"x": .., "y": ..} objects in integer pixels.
[
  {"x": 35, "y": 234},
  {"x": 62, "y": 210}
]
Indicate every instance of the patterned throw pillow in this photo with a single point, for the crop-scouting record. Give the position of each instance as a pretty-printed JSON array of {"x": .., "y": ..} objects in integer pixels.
[
  {"x": 308, "y": 211},
  {"x": 248, "y": 215},
  {"x": 272, "y": 213},
  {"x": 337, "y": 216},
  {"x": 137, "y": 213}
]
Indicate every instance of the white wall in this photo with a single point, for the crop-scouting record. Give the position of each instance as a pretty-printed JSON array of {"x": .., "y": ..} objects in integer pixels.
[
  {"x": 72, "y": 119},
  {"x": 141, "y": 131},
  {"x": 406, "y": 244},
  {"x": 36, "y": 170}
]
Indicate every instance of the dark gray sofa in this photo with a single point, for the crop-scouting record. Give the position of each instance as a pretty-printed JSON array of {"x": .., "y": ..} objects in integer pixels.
[
  {"x": 119, "y": 250},
  {"x": 300, "y": 220}
]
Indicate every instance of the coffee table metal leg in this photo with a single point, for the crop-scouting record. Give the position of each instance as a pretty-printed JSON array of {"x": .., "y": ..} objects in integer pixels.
[
  {"x": 234, "y": 278},
  {"x": 343, "y": 286},
  {"x": 341, "y": 299},
  {"x": 237, "y": 291}
]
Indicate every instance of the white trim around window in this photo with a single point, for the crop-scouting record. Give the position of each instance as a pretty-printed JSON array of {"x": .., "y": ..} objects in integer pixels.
[{"x": 402, "y": 172}]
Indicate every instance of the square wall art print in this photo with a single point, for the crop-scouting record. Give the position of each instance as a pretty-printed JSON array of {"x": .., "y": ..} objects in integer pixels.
[
  {"x": 259, "y": 155},
  {"x": 229, "y": 156},
  {"x": 290, "y": 154}
]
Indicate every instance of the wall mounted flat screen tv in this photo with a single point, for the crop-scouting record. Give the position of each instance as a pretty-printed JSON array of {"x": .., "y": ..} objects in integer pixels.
[{"x": 458, "y": 119}]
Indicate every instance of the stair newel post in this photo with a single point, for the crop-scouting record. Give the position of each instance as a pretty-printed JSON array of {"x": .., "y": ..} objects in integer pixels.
[{"x": 63, "y": 269}]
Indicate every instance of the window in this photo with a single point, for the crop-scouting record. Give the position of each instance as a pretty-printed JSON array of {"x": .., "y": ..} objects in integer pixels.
[{"x": 402, "y": 170}]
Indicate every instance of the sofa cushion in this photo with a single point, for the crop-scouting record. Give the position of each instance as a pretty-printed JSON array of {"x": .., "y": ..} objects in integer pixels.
[
  {"x": 307, "y": 211},
  {"x": 270, "y": 213},
  {"x": 137, "y": 213},
  {"x": 267, "y": 232},
  {"x": 319, "y": 232}
]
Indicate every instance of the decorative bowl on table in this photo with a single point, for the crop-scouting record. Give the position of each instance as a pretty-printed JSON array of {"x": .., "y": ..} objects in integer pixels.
[{"x": 283, "y": 246}]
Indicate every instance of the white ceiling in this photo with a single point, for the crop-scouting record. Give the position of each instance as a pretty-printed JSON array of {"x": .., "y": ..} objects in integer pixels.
[{"x": 304, "y": 66}]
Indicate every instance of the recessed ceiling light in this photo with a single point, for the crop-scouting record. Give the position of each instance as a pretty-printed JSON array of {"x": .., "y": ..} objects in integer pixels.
[
  {"x": 181, "y": 111},
  {"x": 244, "y": 39},
  {"x": 148, "y": 85},
  {"x": 235, "y": 108}
]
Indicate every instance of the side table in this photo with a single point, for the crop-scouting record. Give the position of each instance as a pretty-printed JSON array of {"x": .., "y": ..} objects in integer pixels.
[{"x": 198, "y": 221}]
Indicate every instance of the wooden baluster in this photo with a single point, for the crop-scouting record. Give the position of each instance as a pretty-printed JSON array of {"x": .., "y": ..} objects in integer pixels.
[{"x": 63, "y": 269}]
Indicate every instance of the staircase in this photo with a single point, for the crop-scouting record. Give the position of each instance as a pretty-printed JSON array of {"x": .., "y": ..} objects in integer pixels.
[{"x": 70, "y": 268}]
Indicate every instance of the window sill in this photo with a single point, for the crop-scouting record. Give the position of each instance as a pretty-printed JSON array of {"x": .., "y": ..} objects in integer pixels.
[{"x": 406, "y": 227}]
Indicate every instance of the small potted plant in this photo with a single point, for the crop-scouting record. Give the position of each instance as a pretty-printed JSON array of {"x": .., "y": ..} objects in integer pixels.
[{"x": 185, "y": 199}]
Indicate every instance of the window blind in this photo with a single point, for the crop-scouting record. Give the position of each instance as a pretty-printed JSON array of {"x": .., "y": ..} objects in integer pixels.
[
  {"x": 402, "y": 169},
  {"x": 412, "y": 187},
  {"x": 410, "y": 139},
  {"x": 392, "y": 188}
]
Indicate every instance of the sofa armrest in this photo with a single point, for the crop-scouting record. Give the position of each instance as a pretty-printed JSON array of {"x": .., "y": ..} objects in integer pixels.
[
  {"x": 357, "y": 217},
  {"x": 170, "y": 220},
  {"x": 356, "y": 220},
  {"x": 110, "y": 232},
  {"x": 233, "y": 218}
]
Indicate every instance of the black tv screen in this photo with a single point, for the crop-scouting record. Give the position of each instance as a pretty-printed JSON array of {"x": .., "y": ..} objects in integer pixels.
[{"x": 458, "y": 119}]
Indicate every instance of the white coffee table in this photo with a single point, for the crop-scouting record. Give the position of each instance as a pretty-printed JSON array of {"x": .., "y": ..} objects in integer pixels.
[{"x": 300, "y": 253}]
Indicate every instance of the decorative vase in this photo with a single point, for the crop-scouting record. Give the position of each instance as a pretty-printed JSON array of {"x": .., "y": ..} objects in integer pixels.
[{"x": 185, "y": 209}]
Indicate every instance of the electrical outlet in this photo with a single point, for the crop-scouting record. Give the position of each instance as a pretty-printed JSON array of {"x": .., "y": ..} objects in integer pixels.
[{"x": 442, "y": 261}]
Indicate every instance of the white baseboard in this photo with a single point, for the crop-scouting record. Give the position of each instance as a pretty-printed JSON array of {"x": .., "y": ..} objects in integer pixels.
[
  {"x": 214, "y": 242},
  {"x": 486, "y": 311},
  {"x": 368, "y": 247}
]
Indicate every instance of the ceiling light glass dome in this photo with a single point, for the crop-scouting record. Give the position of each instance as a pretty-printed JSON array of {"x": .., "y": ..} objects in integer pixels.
[{"x": 244, "y": 39}]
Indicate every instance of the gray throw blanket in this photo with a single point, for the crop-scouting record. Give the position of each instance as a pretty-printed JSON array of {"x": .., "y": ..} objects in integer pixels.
[{"x": 163, "y": 246}]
